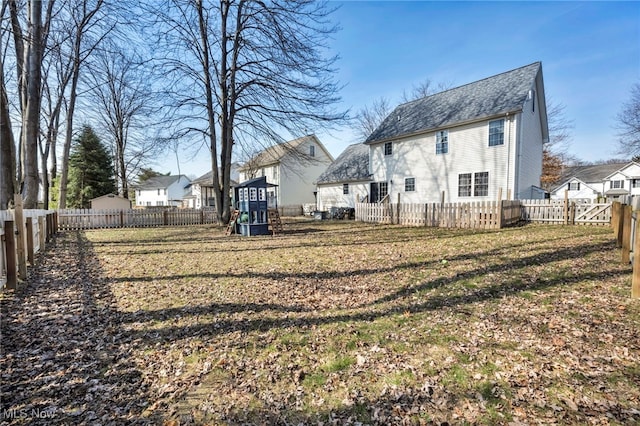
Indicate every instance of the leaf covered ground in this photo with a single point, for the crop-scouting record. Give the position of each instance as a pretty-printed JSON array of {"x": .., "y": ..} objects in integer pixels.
[{"x": 330, "y": 323}]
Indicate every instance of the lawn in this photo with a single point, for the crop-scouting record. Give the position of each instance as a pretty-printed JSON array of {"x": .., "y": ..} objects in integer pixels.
[{"x": 330, "y": 323}]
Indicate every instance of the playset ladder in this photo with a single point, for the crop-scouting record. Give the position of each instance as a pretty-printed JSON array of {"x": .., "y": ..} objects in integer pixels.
[
  {"x": 274, "y": 221},
  {"x": 231, "y": 227}
]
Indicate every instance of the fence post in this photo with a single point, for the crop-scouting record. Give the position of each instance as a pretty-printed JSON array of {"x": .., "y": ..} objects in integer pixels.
[
  {"x": 617, "y": 225},
  {"x": 43, "y": 231},
  {"x": 10, "y": 245},
  {"x": 398, "y": 210},
  {"x": 615, "y": 218},
  {"x": 55, "y": 223},
  {"x": 20, "y": 240},
  {"x": 165, "y": 216},
  {"x": 500, "y": 212},
  {"x": 572, "y": 213},
  {"x": 30, "y": 245},
  {"x": 635, "y": 281},
  {"x": 566, "y": 206},
  {"x": 626, "y": 234}
]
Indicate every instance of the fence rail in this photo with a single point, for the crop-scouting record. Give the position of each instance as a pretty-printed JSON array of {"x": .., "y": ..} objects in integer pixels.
[
  {"x": 76, "y": 219},
  {"x": 485, "y": 215}
]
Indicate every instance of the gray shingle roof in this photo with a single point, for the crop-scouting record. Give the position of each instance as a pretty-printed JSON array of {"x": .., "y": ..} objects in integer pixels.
[
  {"x": 590, "y": 174},
  {"x": 352, "y": 165},
  {"x": 500, "y": 94},
  {"x": 158, "y": 182}
]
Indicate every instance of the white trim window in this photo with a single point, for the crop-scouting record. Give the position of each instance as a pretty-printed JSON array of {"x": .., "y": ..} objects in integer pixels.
[
  {"x": 464, "y": 185},
  {"x": 409, "y": 184},
  {"x": 442, "y": 142},
  {"x": 481, "y": 184},
  {"x": 635, "y": 183},
  {"x": 345, "y": 188},
  {"x": 496, "y": 132},
  {"x": 574, "y": 186},
  {"x": 388, "y": 148},
  {"x": 616, "y": 184}
]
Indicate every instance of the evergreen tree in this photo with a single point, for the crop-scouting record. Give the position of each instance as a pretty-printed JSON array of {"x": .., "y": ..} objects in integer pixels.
[{"x": 90, "y": 170}]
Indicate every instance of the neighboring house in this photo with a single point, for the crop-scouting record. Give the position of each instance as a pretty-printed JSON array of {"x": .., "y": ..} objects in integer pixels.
[
  {"x": 201, "y": 191},
  {"x": 292, "y": 166},
  {"x": 623, "y": 184},
  {"x": 110, "y": 201},
  {"x": 585, "y": 183},
  {"x": 162, "y": 191},
  {"x": 469, "y": 142},
  {"x": 346, "y": 180}
]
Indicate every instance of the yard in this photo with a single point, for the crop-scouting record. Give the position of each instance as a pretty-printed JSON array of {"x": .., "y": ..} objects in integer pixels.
[{"x": 330, "y": 323}]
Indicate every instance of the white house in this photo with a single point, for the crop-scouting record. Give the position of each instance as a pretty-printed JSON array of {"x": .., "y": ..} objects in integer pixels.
[
  {"x": 292, "y": 166},
  {"x": 469, "y": 142},
  {"x": 162, "y": 191},
  {"x": 346, "y": 180},
  {"x": 202, "y": 192},
  {"x": 624, "y": 183},
  {"x": 585, "y": 183}
]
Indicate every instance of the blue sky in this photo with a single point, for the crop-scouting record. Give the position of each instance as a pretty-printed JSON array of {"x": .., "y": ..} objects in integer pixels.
[{"x": 590, "y": 54}]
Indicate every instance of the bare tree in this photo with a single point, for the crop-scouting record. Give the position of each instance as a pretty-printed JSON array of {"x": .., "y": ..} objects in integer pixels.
[
  {"x": 85, "y": 36},
  {"x": 124, "y": 98},
  {"x": 259, "y": 70},
  {"x": 555, "y": 153},
  {"x": 628, "y": 124},
  {"x": 369, "y": 117},
  {"x": 424, "y": 89}
]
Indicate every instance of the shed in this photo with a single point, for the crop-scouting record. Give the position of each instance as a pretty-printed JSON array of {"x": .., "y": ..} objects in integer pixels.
[
  {"x": 253, "y": 207},
  {"x": 110, "y": 201}
]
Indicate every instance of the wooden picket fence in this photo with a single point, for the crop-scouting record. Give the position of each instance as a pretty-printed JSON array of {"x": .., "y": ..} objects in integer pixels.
[
  {"x": 78, "y": 219},
  {"x": 23, "y": 234},
  {"x": 485, "y": 215},
  {"x": 476, "y": 215}
]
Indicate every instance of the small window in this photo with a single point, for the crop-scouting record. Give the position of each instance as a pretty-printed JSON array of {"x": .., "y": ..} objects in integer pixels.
[
  {"x": 410, "y": 184},
  {"x": 345, "y": 188},
  {"x": 574, "y": 186},
  {"x": 312, "y": 151},
  {"x": 442, "y": 142},
  {"x": 158, "y": 191},
  {"x": 617, "y": 184},
  {"x": 384, "y": 189},
  {"x": 481, "y": 184},
  {"x": 388, "y": 148},
  {"x": 464, "y": 185},
  {"x": 253, "y": 194},
  {"x": 635, "y": 183},
  {"x": 496, "y": 132},
  {"x": 160, "y": 203}
]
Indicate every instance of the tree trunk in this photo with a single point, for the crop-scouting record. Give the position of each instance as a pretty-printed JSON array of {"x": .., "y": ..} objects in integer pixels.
[
  {"x": 31, "y": 121},
  {"x": 7, "y": 149},
  {"x": 66, "y": 149}
]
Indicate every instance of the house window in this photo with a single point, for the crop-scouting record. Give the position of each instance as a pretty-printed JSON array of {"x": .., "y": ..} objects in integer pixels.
[
  {"x": 635, "y": 183},
  {"x": 464, "y": 185},
  {"x": 165, "y": 191},
  {"x": 312, "y": 151},
  {"x": 617, "y": 184},
  {"x": 388, "y": 148},
  {"x": 158, "y": 191},
  {"x": 275, "y": 173},
  {"x": 345, "y": 188},
  {"x": 496, "y": 132},
  {"x": 253, "y": 194},
  {"x": 160, "y": 203},
  {"x": 410, "y": 184},
  {"x": 149, "y": 203},
  {"x": 384, "y": 189},
  {"x": 574, "y": 186},
  {"x": 442, "y": 142},
  {"x": 481, "y": 184}
]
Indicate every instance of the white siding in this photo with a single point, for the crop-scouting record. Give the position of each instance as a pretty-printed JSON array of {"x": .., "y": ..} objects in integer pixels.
[
  {"x": 332, "y": 195},
  {"x": 586, "y": 192},
  {"x": 468, "y": 152},
  {"x": 529, "y": 153},
  {"x": 297, "y": 176}
]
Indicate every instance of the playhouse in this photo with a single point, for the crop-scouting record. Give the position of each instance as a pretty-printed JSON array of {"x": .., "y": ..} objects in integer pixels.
[{"x": 253, "y": 207}]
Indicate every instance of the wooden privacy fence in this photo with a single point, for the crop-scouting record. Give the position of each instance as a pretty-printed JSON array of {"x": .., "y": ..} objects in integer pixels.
[
  {"x": 75, "y": 219},
  {"x": 23, "y": 233},
  {"x": 627, "y": 233},
  {"x": 484, "y": 214}
]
